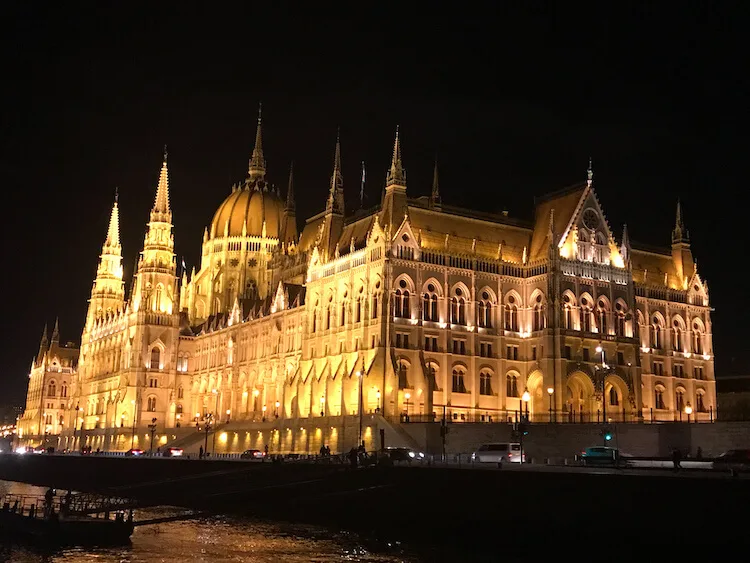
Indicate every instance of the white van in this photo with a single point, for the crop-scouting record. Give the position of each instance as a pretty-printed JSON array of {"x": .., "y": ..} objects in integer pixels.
[{"x": 498, "y": 453}]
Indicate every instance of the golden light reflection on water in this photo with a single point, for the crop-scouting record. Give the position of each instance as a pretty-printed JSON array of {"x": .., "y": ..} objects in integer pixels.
[{"x": 212, "y": 540}]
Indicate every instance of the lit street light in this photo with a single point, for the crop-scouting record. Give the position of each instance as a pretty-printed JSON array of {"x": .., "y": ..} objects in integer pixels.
[
  {"x": 229, "y": 414},
  {"x": 322, "y": 406},
  {"x": 550, "y": 391},
  {"x": 277, "y": 405},
  {"x": 688, "y": 411},
  {"x": 132, "y": 440},
  {"x": 526, "y": 397}
]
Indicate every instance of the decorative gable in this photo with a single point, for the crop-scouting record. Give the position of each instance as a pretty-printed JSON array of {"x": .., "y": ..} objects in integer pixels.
[{"x": 404, "y": 244}]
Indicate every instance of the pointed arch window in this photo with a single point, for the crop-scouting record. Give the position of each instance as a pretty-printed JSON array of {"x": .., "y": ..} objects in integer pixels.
[
  {"x": 403, "y": 375},
  {"x": 458, "y": 307},
  {"x": 52, "y": 389},
  {"x": 485, "y": 383},
  {"x": 360, "y": 302},
  {"x": 697, "y": 339},
  {"x": 511, "y": 385},
  {"x": 64, "y": 390},
  {"x": 620, "y": 319},
  {"x": 677, "y": 344},
  {"x": 511, "y": 314},
  {"x": 485, "y": 310},
  {"x": 375, "y": 301},
  {"x": 700, "y": 405},
  {"x": 151, "y": 404},
  {"x": 656, "y": 333},
  {"x": 679, "y": 403},
  {"x": 459, "y": 385},
  {"x": 430, "y": 304},
  {"x": 155, "y": 358},
  {"x": 328, "y": 314},
  {"x": 567, "y": 312},
  {"x": 603, "y": 314},
  {"x": 538, "y": 319},
  {"x": 401, "y": 301},
  {"x": 614, "y": 398},
  {"x": 659, "y": 398}
]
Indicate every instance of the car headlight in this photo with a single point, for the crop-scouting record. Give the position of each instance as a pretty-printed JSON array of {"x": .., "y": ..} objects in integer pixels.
[
  {"x": 421, "y": 454},
  {"x": 412, "y": 454}
]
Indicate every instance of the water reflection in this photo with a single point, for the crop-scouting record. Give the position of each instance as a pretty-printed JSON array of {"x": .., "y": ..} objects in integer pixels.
[{"x": 218, "y": 539}]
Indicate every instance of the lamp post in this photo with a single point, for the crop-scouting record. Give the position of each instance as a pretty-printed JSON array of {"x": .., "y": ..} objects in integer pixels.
[
  {"x": 377, "y": 397},
  {"x": 322, "y": 405},
  {"x": 688, "y": 411},
  {"x": 207, "y": 428},
  {"x": 526, "y": 397},
  {"x": 178, "y": 416},
  {"x": 75, "y": 423},
  {"x": 132, "y": 440},
  {"x": 600, "y": 350},
  {"x": 276, "y": 412},
  {"x": 152, "y": 430},
  {"x": 229, "y": 414},
  {"x": 550, "y": 391},
  {"x": 360, "y": 380},
  {"x": 407, "y": 396},
  {"x": 264, "y": 409}
]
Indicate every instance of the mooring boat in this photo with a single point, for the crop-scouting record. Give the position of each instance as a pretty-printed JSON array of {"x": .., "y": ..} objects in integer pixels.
[{"x": 64, "y": 521}]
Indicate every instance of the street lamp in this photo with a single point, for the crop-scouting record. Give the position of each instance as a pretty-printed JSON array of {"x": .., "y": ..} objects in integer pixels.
[
  {"x": 75, "y": 423},
  {"x": 377, "y": 396},
  {"x": 264, "y": 412},
  {"x": 688, "y": 411},
  {"x": 207, "y": 428},
  {"x": 407, "y": 396},
  {"x": 359, "y": 407},
  {"x": 229, "y": 414},
  {"x": 152, "y": 430},
  {"x": 132, "y": 440},
  {"x": 178, "y": 416},
  {"x": 526, "y": 397},
  {"x": 550, "y": 391},
  {"x": 122, "y": 420},
  {"x": 277, "y": 405},
  {"x": 322, "y": 406},
  {"x": 600, "y": 350}
]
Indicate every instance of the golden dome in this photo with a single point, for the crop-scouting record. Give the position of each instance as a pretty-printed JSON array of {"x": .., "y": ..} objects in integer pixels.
[{"x": 251, "y": 207}]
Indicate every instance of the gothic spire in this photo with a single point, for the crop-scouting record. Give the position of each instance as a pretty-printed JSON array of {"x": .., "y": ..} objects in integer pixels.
[
  {"x": 161, "y": 204},
  {"x": 396, "y": 174},
  {"x": 290, "y": 204},
  {"x": 336, "y": 192},
  {"x": 435, "y": 197},
  {"x": 257, "y": 167},
  {"x": 43, "y": 343},
  {"x": 590, "y": 173},
  {"x": 113, "y": 232},
  {"x": 56, "y": 332},
  {"x": 680, "y": 233},
  {"x": 625, "y": 245}
]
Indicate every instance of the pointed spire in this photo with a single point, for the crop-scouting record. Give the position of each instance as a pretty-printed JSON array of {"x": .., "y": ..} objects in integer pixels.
[
  {"x": 625, "y": 245},
  {"x": 43, "y": 343},
  {"x": 362, "y": 188},
  {"x": 435, "y": 197},
  {"x": 679, "y": 234},
  {"x": 161, "y": 204},
  {"x": 336, "y": 192},
  {"x": 290, "y": 204},
  {"x": 113, "y": 232},
  {"x": 590, "y": 173},
  {"x": 257, "y": 167},
  {"x": 396, "y": 174},
  {"x": 56, "y": 332}
]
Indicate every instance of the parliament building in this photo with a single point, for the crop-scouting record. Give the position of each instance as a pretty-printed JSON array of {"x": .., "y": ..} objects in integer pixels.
[{"x": 414, "y": 310}]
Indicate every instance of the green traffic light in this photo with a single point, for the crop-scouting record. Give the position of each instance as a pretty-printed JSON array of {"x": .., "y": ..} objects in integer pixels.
[{"x": 608, "y": 437}]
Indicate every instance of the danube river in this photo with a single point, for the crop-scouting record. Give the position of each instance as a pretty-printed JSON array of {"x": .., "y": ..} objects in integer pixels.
[{"x": 223, "y": 539}]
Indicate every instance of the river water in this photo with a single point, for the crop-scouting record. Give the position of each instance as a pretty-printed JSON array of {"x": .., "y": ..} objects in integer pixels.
[{"x": 220, "y": 539}]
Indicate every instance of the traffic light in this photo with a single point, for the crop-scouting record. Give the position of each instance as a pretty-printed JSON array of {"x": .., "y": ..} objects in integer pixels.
[
  {"x": 606, "y": 434},
  {"x": 522, "y": 429}
]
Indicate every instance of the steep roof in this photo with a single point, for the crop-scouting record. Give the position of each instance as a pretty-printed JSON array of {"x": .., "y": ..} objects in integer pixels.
[{"x": 564, "y": 202}]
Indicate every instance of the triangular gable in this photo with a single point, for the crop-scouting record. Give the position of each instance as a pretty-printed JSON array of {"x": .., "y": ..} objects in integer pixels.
[
  {"x": 377, "y": 234},
  {"x": 404, "y": 237},
  {"x": 565, "y": 205},
  {"x": 279, "y": 300},
  {"x": 588, "y": 200}
]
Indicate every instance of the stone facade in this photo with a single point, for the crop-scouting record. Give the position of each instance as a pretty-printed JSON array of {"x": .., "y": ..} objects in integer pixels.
[{"x": 414, "y": 308}]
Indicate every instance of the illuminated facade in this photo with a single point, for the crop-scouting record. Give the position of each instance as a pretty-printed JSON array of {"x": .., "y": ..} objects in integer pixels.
[{"x": 412, "y": 308}]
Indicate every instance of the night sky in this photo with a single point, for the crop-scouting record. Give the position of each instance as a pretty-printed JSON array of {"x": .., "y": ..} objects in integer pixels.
[{"x": 513, "y": 104}]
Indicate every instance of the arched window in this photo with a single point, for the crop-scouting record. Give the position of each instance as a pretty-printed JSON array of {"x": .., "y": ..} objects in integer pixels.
[
  {"x": 584, "y": 244},
  {"x": 697, "y": 338},
  {"x": 403, "y": 375},
  {"x": 178, "y": 408},
  {"x": 64, "y": 390},
  {"x": 329, "y": 312},
  {"x": 659, "y": 397},
  {"x": 511, "y": 314},
  {"x": 151, "y": 404},
  {"x": 401, "y": 301},
  {"x": 511, "y": 385},
  {"x": 484, "y": 310},
  {"x": 586, "y": 314},
  {"x": 485, "y": 383},
  {"x": 315, "y": 313},
  {"x": 656, "y": 333},
  {"x": 458, "y": 381},
  {"x": 679, "y": 402},
  {"x": 52, "y": 389},
  {"x": 700, "y": 405},
  {"x": 568, "y": 304},
  {"x": 677, "y": 343},
  {"x": 603, "y": 316},
  {"x": 538, "y": 318},
  {"x": 601, "y": 250},
  {"x": 620, "y": 319},
  {"x": 155, "y": 358},
  {"x": 614, "y": 398},
  {"x": 343, "y": 311},
  {"x": 375, "y": 301},
  {"x": 157, "y": 298},
  {"x": 458, "y": 307},
  {"x": 360, "y": 302},
  {"x": 430, "y": 304}
]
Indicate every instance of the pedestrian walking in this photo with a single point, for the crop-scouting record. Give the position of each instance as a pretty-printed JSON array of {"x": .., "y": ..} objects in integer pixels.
[
  {"x": 676, "y": 457},
  {"x": 200, "y": 452}
]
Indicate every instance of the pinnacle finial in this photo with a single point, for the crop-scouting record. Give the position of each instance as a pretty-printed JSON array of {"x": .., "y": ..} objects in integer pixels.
[
  {"x": 290, "y": 204},
  {"x": 257, "y": 167},
  {"x": 161, "y": 204},
  {"x": 435, "y": 197},
  {"x": 396, "y": 175},
  {"x": 117, "y": 194},
  {"x": 590, "y": 173},
  {"x": 165, "y": 153},
  {"x": 56, "y": 331},
  {"x": 362, "y": 187},
  {"x": 336, "y": 192},
  {"x": 679, "y": 233},
  {"x": 113, "y": 231}
]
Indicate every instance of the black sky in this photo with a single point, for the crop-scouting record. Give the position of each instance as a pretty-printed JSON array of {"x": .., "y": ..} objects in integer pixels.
[{"x": 512, "y": 103}]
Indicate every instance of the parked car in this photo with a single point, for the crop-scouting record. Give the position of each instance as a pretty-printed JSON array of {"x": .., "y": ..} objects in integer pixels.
[
  {"x": 734, "y": 461},
  {"x": 172, "y": 452},
  {"x": 403, "y": 454},
  {"x": 604, "y": 456},
  {"x": 252, "y": 454},
  {"x": 133, "y": 452},
  {"x": 509, "y": 452}
]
